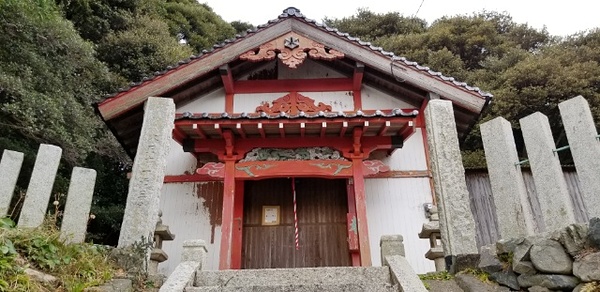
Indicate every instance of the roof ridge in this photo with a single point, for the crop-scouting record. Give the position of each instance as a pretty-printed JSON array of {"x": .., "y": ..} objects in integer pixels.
[{"x": 295, "y": 13}]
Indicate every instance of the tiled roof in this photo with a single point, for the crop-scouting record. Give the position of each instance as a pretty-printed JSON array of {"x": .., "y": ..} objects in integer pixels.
[
  {"x": 262, "y": 115},
  {"x": 294, "y": 12}
]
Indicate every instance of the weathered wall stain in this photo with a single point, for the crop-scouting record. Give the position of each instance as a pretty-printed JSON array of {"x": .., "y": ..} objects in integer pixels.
[{"x": 212, "y": 195}]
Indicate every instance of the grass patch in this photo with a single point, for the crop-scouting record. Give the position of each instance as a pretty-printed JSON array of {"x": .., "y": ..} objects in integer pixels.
[
  {"x": 77, "y": 266},
  {"x": 479, "y": 274},
  {"x": 442, "y": 276}
]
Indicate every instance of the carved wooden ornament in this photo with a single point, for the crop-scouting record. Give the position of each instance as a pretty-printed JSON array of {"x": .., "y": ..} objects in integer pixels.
[
  {"x": 292, "y": 50},
  {"x": 292, "y": 104}
]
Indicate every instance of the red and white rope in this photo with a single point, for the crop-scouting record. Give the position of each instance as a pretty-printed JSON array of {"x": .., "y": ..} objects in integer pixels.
[{"x": 295, "y": 214}]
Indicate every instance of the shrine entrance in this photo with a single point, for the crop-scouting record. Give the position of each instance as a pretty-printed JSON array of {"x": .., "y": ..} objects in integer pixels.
[{"x": 268, "y": 223}]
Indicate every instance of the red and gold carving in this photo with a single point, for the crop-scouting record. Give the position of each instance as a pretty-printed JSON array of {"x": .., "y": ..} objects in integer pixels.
[
  {"x": 291, "y": 49},
  {"x": 214, "y": 169},
  {"x": 374, "y": 166},
  {"x": 292, "y": 104}
]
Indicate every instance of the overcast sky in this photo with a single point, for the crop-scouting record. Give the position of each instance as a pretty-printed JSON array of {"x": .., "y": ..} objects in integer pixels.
[{"x": 559, "y": 17}]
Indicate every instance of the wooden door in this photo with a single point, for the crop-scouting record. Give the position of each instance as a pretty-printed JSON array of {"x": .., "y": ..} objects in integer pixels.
[{"x": 321, "y": 206}]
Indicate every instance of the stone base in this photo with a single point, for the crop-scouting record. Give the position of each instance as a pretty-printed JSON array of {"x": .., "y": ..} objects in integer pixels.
[{"x": 457, "y": 263}]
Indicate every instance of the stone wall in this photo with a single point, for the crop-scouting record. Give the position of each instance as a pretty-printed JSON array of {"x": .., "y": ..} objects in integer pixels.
[{"x": 565, "y": 259}]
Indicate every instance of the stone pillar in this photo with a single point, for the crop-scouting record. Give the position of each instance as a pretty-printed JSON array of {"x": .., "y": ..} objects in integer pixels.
[
  {"x": 79, "y": 202},
  {"x": 141, "y": 211},
  {"x": 10, "y": 167},
  {"x": 457, "y": 225},
  {"x": 391, "y": 245},
  {"x": 513, "y": 210},
  {"x": 585, "y": 148},
  {"x": 194, "y": 250},
  {"x": 557, "y": 209},
  {"x": 40, "y": 186}
]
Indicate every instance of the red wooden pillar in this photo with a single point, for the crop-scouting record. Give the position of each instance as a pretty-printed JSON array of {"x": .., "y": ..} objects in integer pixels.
[
  {"x": 351, "y": 225},
  {"x": 238, "y": 223},
  {"x": 228, "y": 217},
  {"x": 360, "y": 199}
]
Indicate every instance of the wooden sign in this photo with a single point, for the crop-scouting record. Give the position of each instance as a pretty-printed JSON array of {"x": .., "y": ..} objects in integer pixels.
[{"x": 270, "y": 215}]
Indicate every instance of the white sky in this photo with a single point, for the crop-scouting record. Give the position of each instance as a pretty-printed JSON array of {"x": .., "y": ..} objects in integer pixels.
[{"x": 560, "y": 17}]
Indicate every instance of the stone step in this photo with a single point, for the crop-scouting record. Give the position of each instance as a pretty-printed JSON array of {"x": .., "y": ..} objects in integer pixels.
[
  {"x": 301, "y": 288},
  {"x": 295, "y": 277}
]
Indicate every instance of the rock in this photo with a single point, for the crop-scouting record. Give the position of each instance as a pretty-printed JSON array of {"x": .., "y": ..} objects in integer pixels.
[
  {"x": 488, "y": 261},
  {"x": 594, "y": 232},
  {"x": 549, "y": 256},
  {"x": 114, "y": 285},
  {"x": 524, "y": 267},
  {"x": 587, "y": 268},
  {"x": 522, "y": 249},
  {"x": 506, "y": 278},
  {"x": 573, "y": 238},
  {"x": 463, "y": 261},
  {"x": 538, "y": 289},
  {"x": 552, "y": 282},
  {"x": 579, "y": 287},
  {"x": 471, "y": 284},
  {"x": 41, "y": 277},
  {"x": 505, "y": 246}
]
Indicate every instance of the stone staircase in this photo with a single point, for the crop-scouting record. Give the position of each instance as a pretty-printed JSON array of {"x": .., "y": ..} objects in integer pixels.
[{"x": 348, "y": 279}]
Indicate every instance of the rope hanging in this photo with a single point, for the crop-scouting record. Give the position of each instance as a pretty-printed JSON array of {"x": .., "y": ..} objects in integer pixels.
[{"x": 295, "y": 214}]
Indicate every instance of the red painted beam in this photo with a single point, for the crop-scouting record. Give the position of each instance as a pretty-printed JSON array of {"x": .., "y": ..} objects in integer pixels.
[
  {"x": 227, "y": 79},
  {"x": 199, "y": 131},
  {"x": 184, "y": 178},
  {"x": 357, "y": 78},
  {"x": 361, "y": 212},
  {"x": 287, "y": 85}
]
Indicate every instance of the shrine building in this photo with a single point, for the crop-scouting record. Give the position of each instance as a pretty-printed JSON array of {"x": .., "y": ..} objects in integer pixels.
[{"x": 295, "y": 145}]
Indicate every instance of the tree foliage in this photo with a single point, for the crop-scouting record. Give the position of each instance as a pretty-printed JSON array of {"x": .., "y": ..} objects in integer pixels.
[
  {"x": 59, "y": 57},
  {"x": 526, "y": 69}
]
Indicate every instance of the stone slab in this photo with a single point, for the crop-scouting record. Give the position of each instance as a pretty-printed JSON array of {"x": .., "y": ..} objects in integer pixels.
[
  {"x": 553, "y": 195},
  {"x": 141, "y": 210},
  {"x": 581, "y": 133},
  {"x": 77, "y": 208},
  {"x": 182, "y": 277},
  {"x": 10, "y": 167},
  {"x": 457, "y": 226},
  {"x": 552, "y": 282},
  {"x": 306, "y": 276},
  {"x": 40, "y": 186},
  {"x": 404, "y": 275},
  {"x": 513, "y": 210}
]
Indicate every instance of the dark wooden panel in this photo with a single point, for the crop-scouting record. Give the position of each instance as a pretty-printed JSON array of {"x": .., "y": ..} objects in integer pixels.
[
  {"x": 482, "y": 204},
  {"x": 322, "y": 208}
]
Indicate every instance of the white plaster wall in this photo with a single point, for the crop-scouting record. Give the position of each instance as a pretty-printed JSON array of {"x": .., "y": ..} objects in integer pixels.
[
  {"x": 309, "y": 69},
  {"x": 411, "y": 156},
  {"x": 249, "y": 101},
  {"x": 373, "y": 99},
  {"x": 339, "y": 100},
  {"x": 213, "y": 102},
  {"x": 184, "y": 213},
  {"x": 395, "y": 206},
  {"x": 186, "y": 217}
]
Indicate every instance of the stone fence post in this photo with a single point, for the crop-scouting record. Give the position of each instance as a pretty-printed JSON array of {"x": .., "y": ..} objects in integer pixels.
[
  {"x": 457, "y": 226},
  {"x": 10, "y": 166},
  {"x": 39, "y": 190},
  {"x": 585, "y": 148},
  {"x": 79, "y": 202},
  {"x": 548, "y": 177},
  {"x": 141, "y": 210},
  {"x": 515, "y": 217}
]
